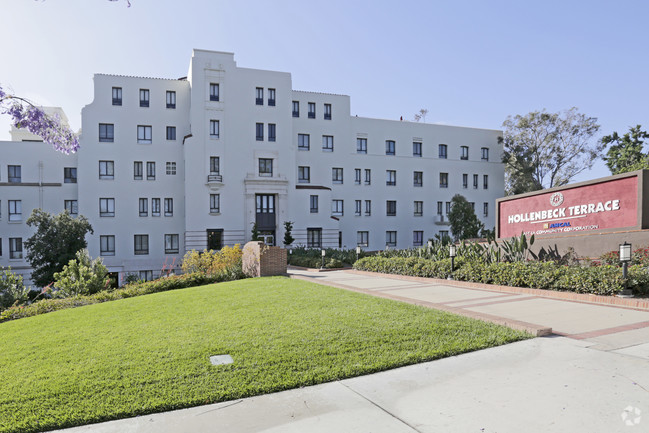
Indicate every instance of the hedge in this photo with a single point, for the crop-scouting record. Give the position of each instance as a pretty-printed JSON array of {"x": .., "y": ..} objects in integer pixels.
[
  {"x": 171, "y": 282},
  {"x": 600, "y": 280}
]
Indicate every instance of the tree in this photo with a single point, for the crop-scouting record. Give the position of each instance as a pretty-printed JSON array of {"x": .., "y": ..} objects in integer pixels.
[
  {"x": 544, "y": 150},
  {"x": 288, "y": 237},
  {"x": 626, "y": 152},
  {"x": 464, "y": 222},
  {"x": 26, "y": 115},
  {"x": 254, "y": 233},
  {"x": 81, "y": 276},
  {"x": 55, "y": 243},
  {"x": 421, "y": 115}
]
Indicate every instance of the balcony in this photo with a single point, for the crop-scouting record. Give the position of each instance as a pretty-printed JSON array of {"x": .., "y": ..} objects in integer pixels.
[
  {"x": 214, "y": 178},
  {"x": 441, "y": 220}
]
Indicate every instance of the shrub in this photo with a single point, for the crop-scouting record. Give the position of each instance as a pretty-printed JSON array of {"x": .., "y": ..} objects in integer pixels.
[
  {"x": 12, "y": 289},
  {"x": 413, "y": 266},
  {"x": 214, "y": 262},
  {"x": 312, "y": 257},
  {"x": 81, "y": 276}
]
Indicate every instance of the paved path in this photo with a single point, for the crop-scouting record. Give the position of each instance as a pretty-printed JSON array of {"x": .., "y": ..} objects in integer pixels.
[{"x": 593, "y": 379}]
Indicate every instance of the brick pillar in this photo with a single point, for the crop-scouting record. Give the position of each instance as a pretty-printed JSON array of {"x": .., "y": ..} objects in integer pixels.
[{"x": 261, "y": 260}]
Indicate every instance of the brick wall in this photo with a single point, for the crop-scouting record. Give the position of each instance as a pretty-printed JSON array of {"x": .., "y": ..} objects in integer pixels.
[{"x": 261, "y": 260}]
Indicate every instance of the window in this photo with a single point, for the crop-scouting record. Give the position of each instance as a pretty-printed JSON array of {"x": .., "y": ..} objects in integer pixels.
[
  {"x": 361, "y": 145},
  {"x": 14, "y": 174},
  {"x": 465, "y": 181},
  {"x": 485, "y": 153},
  {"x": 259, "y": 100},
  {"x": 391, "y": 208},
  {"x": 303, "y": 142},
  {"x": 311, "y": 110},
  {"x": 357, "y": 207},
  {"x": 145, "y": 275},
  {"x": 71, "y": 206},
  {"x": 215, "y": 203},
  {"x": 171, "y": 133},
  {"x": 313, "y": 204},
  {"x": 141, "y": 245},
  {"x": 418, "y": 178},
  {"x": 416, "y": 148},
  {"x": 442, "y": 151},
  {"x": 271, "y": 97},
  {"x": 106, "y": 169},
  {"x": 150, "y": 170},
  {"x": 171, "y": 168},
  {"x": 106, "y": 132},
  {"x": 485, "y": 209},
  {"x": 327, "y": 143},
  {"x": 448, "y": 207},
  {"x": 485, "y": 182},
  {"x": 419, "y": 208},
  {"x": 144, "y": 134},
  {"x": 391, "y": 177},
  {"x": 144, "y": 207},
  {"x": 357, "y": 176},
  {"x": 337, "y": 207},
  {"x": 137, "y": 170},
  {"x": 304, "y": 174},
  {"x": 389, "y": 147},
  {"x": 15, "y": 248},
  {"x": 296, "y": 108},
  {"x": 271, "y": 132},
  {"x": 475, "y": 181},
  {"x": 215, "y": 130},
  {"x": 69, "y": 175},
  {"x": 215, "y": 165},
  {"x": 15, "y": 210},
  {"x": 443, "y": 234},
  {"x": 313, "y": 238},
  {"x": 464, "y": 152},
  {"x": 144, "y": 97},
  {"x": 439, "y": 207},
  {"x": 368, "y": 176},
  {"x": 391, "y": 239},
  {"x": 155, "y": 207},
  {"x": 259, "y": 131},
  {"x": 214, "y": 91},
  {"x": 337, "y": 175},
  {"x": 107, "y": 207},
  {"x": 265, "y": 167},
  {"x": 327, "y": 111},
  {"x": 171, "y": 244},
  {"x": 472, "y": 205},
  {"x": 363, "y": 239},
  {"x": 171, "y": 99},
  {"x": 107, "y": 245},
  {"x": 368, "y": 207},
  {"x": 169, "y": 207},
  {"x": 117, "y": 96},
  {"x": 417, "y": 238},
  {"x": 443, "y": 180}
]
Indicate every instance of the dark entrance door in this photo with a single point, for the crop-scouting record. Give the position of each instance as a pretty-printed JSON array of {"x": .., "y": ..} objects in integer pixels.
[
  {"x": 265, "y": 215},
  {"x": 214, "y": 239}
]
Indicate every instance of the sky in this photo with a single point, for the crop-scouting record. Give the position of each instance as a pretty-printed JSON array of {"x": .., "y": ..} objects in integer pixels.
[{"x": 469, "y": 63}]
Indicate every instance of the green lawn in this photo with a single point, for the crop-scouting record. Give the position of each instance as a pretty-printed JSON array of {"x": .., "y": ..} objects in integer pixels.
[{"x": 151, "y": 353}]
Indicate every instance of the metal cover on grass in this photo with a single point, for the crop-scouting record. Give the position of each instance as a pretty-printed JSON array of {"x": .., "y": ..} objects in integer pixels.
[{"x": 221, "y": 359}]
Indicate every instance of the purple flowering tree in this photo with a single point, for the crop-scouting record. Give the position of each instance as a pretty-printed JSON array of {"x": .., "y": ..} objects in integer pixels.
[{"x": 26, "y": 115}]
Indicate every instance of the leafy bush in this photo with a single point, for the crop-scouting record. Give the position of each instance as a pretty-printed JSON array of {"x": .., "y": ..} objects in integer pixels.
[
  {"x": 413, "y": 266},
  {"x": 312, "y": 257},
  {"x": 81, "y": 276},
  {"x": 640, "y": 256},
  {"x": 130, "y": 290},
  {"x": 12, "y": 289},
  {"x": 227, "y": 259}
]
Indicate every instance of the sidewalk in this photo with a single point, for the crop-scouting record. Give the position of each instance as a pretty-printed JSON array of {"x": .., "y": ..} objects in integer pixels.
[{"x": 595, "y": 378}]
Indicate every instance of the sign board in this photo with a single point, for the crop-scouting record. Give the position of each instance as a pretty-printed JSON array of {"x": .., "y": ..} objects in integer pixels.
[{"x": 606, "y": 205}]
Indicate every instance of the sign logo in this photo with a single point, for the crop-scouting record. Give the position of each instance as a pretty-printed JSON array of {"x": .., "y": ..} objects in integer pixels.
[
  {"x": 631, "y": 416},
  {"x": 556, "y": 199}
]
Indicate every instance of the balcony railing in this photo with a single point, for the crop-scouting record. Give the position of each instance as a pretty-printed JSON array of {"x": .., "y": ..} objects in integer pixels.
[{"x": 214, "y": 178}]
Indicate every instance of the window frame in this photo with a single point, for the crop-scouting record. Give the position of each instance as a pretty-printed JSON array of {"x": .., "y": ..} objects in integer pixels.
[
  {"x": 327, "y": 111},
  {"x": 144, "y": 134},
  {"x": 368, "y": 176},
  {"x": 443, "y": 180},
  {"x": 368, "y": 207},
  {"x": 296, "y": 108},
  {"x": 390, "y": 147},
  {"x": 313, "y": 204},
  {"x": 170, "y": 168},
  {"x": 69, "y": 174},
  {"x": 107, "y": 207},
  {"x": 155, "y": 207},
  {"x": 272, "y": 132},
  {"x": 390, "y": 208},
  {"x": 259, "y": 96},
  {"x": 390, "y": 177},
  {"x": 143, "y": 207},
  {"x": 338, "y": 207},
  {"x": 72, "y": 206},
  {"x": 215, "y": 203},
  {"x": 337, "y": 175},
  {"x": 215, "y": 129},
  {"x": 361, "y": 145},
  {"x": 301, "y": 139},
  {"x": 141, "y": 241},
  {"x": 484, "y": 153},
  {"x": 215, "y": 165},
  {"x": 418, "y": 210},
  {"x": 116, "y": 94},
  {"x": 214, "y": 92},
  {"x": 327, "y": 143},
  {"x": 169, "y": 207},
  {"x": 391, "y": 238},
  {"x": 363, "y": 238},
  {"x": 15, "y": 248},
  {"x": 311, "y": 112},
  {"x": 314, "y": 237},
  {"x": 358, "y": 208},
  {"x": 171, "y": 99},
  {"x": 107, "y": 170},
  {"x": 171, "y": 133},
  {"x": 106, "y": 245},
  {"x": 15, "y": 210},
  {"x": 145, "y": 96},
  {"x": 464, "y": 153},
  {"x": 418, "y": 179},
  {"x": 417, "y": 149},
  {"x": 272, "y": 94},
  {"x": 357, "y": 176},
  {"x": 442, "y": 151},
  {"x": 172, "y": 243},
  {"x": 16, "y": 176},
  {"x": 138, "y": 167},
  {"x": 303, "y": 174},
  {"x": 106, "y": 133},
  {"x": 150, "y": 170},
  {"x": 259, "y": 131},
  {"x": 417, "y": 238},
  {"x": 267, "y": 165}
]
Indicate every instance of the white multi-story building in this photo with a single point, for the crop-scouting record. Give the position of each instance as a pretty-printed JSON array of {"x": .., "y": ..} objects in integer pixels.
[{"x": 167, "y": 166}]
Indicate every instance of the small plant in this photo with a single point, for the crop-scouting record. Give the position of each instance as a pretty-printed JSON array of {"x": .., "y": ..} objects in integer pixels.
[
  {"x": 254, "y": 232},
  {"x": 12, "y": 289},
  {"x": 288, "y": 238},
  {"x": 212, "y": 262}
]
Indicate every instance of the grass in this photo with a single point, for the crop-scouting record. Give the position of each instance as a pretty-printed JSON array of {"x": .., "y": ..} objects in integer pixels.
[{"x": 151, "y": 353}]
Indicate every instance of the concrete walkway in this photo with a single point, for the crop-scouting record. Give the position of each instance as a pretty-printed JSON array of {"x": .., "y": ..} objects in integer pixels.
[{"x": 595, "y": 378}]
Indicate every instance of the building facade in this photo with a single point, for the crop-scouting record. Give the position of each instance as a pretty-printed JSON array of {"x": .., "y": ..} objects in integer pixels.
[{"x": 167, "y": 166}]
